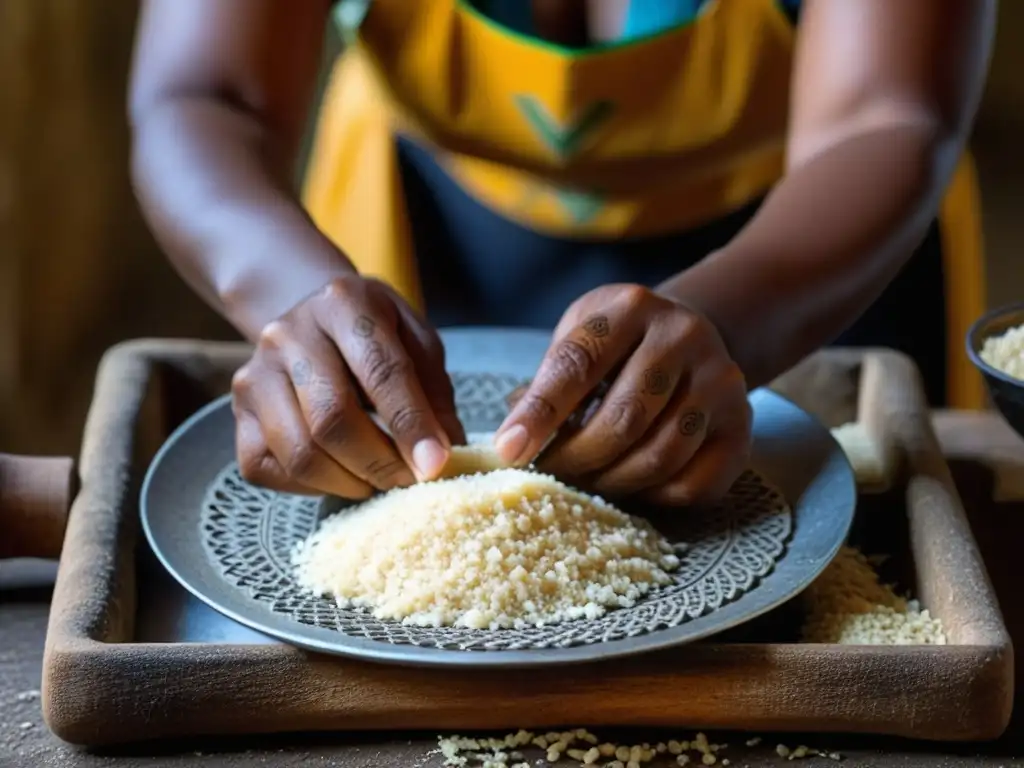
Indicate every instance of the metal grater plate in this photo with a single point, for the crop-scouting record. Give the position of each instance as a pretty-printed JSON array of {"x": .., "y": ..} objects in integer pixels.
[{"x": 230, "y": 543}]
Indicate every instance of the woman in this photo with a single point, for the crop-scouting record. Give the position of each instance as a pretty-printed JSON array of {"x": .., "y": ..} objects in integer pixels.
[{"x": 695, "y": 195}]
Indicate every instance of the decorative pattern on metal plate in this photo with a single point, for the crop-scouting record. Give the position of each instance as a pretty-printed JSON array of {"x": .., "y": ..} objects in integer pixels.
[{"x": 249, "y": 534}]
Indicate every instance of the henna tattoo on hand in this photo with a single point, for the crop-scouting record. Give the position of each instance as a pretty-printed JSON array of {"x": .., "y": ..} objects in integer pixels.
[
  {"x": 597, "y": 326},
  {"x": 656, "y": 381},
  {"x": 302, "y": 373},
  {"x": 364, "y": 327},
  {"x": 691, "y": 423}
]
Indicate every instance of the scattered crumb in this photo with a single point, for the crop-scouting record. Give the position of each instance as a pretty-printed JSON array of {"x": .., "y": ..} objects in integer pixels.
[{"x": 586, "y": 750}]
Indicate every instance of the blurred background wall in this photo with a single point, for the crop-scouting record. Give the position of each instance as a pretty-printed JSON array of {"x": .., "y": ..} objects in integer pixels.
[{"x": 79, "y": 271}]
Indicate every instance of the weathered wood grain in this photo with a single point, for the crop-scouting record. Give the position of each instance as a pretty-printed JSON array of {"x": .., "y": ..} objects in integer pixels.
[{"x": 100, "y": 686}]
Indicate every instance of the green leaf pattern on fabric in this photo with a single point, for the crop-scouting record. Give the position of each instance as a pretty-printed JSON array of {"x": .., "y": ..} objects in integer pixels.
[{"x": 563, "y": 140}]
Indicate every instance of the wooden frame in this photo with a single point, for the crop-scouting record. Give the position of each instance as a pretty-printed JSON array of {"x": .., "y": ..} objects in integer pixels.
[{"x": 100, "y": 686}]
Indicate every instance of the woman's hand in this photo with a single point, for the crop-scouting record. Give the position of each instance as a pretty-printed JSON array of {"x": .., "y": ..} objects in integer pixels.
[
  {"x": 300, "y": 424},
  {"x": 674, "y": 426}
]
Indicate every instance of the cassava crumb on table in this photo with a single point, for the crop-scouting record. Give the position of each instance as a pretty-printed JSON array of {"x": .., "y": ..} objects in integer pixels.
[
  {"x": 509, "y": 548},
  {"x": 587, "y": 750}
]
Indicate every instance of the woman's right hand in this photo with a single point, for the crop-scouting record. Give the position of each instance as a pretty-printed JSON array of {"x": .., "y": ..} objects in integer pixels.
[{"x": 301, "y": 424}]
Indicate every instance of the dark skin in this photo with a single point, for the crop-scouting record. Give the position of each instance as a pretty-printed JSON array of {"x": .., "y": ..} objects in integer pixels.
[{"x": 884, "y": 94}]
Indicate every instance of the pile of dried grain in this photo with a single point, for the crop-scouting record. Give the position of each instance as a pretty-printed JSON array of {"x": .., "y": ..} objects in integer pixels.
[
  {"x": 848, "y": 605},
  {"x": 509, "y": 548}
]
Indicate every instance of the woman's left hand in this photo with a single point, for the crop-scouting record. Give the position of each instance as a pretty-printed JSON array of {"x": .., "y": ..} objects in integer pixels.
[{"x": 674, "y": 426}]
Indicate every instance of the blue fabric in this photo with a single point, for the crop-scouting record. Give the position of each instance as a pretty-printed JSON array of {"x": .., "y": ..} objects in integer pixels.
[
  {"x": 644, "y": 17},
  {"x": 649, "y": 17}
]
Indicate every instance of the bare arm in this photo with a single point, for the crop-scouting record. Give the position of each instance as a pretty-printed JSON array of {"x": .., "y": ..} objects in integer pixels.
[
  {"x": 884, "y": 97},
  {"x": 219, "y": 98}
]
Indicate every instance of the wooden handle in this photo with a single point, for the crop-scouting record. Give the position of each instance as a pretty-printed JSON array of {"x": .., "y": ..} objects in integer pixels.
[{"x": 35, "y": 496}]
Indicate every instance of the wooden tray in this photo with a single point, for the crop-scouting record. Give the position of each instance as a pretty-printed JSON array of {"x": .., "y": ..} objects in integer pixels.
[{"x": 129, "y": 656}]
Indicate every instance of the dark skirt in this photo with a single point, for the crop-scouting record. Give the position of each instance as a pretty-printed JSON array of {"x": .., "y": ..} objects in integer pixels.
[{"x": 478, "y": 268}]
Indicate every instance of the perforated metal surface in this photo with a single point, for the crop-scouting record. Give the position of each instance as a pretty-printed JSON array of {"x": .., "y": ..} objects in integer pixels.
[
  {"x": 230, "y": 543},
  {"x": 248, "y": 534}
]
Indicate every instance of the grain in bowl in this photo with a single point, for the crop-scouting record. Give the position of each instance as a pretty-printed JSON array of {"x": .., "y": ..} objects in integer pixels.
[{"x": 1005, "y": 352}]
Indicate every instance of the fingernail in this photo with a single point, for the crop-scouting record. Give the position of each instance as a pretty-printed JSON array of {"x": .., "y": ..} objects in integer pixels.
[
  {"x": 511, "y": 444},
  {"x": 428, "y": 458}
]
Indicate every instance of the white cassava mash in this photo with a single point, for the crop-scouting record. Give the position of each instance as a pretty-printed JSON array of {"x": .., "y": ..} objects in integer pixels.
[
  {"x": 508, "y": 548},
  {"x": 1005, "y": 352}
]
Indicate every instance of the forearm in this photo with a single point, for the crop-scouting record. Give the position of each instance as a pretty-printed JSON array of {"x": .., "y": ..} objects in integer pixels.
[
  {"x": 215, "y": 189},
  {"x": 821, "y": 249}
]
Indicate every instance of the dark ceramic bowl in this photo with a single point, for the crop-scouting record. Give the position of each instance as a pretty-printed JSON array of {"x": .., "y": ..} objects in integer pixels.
[{"x": 1007, "y": 392}]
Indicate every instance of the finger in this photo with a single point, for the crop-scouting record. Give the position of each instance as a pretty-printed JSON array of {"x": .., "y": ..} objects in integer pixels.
[
  {"x": 637, "y": 397},
  {"x": 386, "y": 372},
  {"x": 575, "y": 419},
  {"x": 255, "y": 461},
  {"x": 572, "y": 368},
  {"x": 516, "y": 395},
  {"x": 709, "y": 476},
  {"x": 427, "y": 352},
  {"x": 673, "y": 441},
  {"x": 334, "y": 417},
  {"x": 288, "y": 438}
]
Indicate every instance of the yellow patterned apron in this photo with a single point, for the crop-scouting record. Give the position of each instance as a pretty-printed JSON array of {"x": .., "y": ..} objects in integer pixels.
[{"x": 629, "y": 139}]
